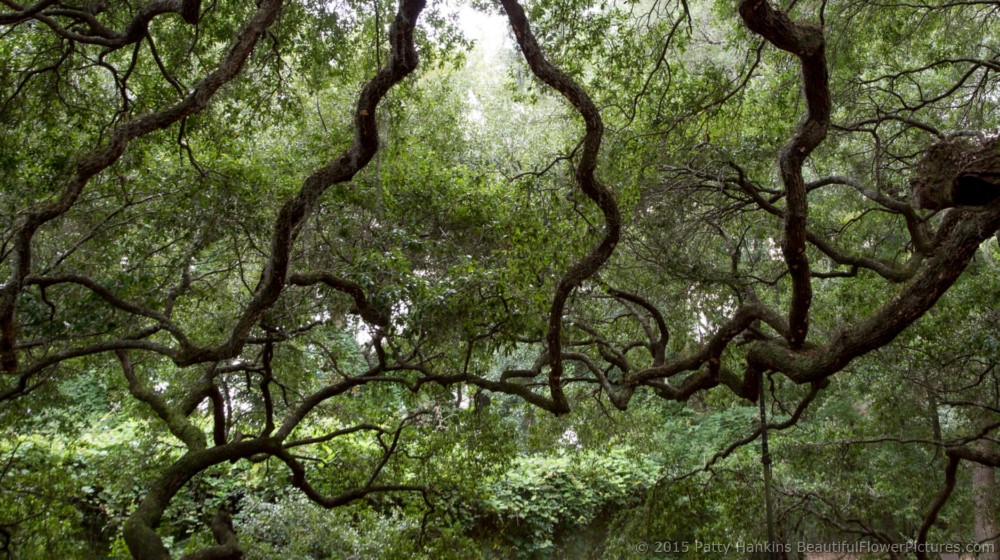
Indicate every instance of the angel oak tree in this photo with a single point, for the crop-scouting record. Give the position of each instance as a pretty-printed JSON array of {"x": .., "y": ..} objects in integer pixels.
[{"x": 199, "y": 199}]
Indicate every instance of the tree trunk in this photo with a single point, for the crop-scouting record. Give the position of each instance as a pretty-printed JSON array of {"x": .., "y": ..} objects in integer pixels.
[{"x": 984, "y": 502}]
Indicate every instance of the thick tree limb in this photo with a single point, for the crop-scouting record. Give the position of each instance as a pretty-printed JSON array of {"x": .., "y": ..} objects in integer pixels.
[
  {"x": 139, "y": 530},
  {"x": 807, "y": 43},
  {"x": 957, "y": 241},
  {"x": 586, "y": 180},
  {"x": 228, "y": 547}
]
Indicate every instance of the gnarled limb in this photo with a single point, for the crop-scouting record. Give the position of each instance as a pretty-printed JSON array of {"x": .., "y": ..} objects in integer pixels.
[
  {"x": 586, "y": 180},
  {"x": 956, "y": 242},
  {"x": 139, "y": 531},
  {"x": 807, "y": 43},
  {"x": 402, "y": 61}
]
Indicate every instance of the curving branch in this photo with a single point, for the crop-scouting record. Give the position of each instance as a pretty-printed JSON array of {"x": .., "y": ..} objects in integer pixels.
[
  {"x": 300, "y": 481},
  {"x": 657, "y": 345},
  {"x": 362, "y": 306},
  {"x": 37, "y": 370},
  {"x": 139, "y": 530},
  {"x": 53, "y": 14},
  {"x": 917, "y": 227},
  {"x": 104, "y": 156},
  {"x": 23, "y": 13},
  {"x": 940, "y": 500},
  {"x": 227, "y": 547},
  {"x": 957, "y": 240},
  {"x": 402, "y": 61},
  {"x": 104, "y": 293},
  {"x": 587, "y": 182},
  {"x": 807, "y": 43},
  {"x": 710, "y": 353},
  {"x": 176, "y": 422},
  {"x": 140, "y": 534}
]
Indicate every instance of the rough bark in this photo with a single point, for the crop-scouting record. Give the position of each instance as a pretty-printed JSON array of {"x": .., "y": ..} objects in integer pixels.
[
  {"x": 140, "y": 528},
  {"x": 957, "y": 172},
  {"x": 984, "y": 509}
]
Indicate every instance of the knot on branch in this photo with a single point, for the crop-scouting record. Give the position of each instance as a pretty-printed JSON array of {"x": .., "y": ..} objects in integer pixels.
[{"x": 957, "y": 171}]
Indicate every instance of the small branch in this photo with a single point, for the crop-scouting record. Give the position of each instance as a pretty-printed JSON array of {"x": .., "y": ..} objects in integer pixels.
[
  {"x": 177, "y": 423},
  {"x": 942, "y": 498}
]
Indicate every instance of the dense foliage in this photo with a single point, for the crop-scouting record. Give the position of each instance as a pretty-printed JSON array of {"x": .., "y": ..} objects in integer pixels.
[{"x": 357, "y": 280}]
